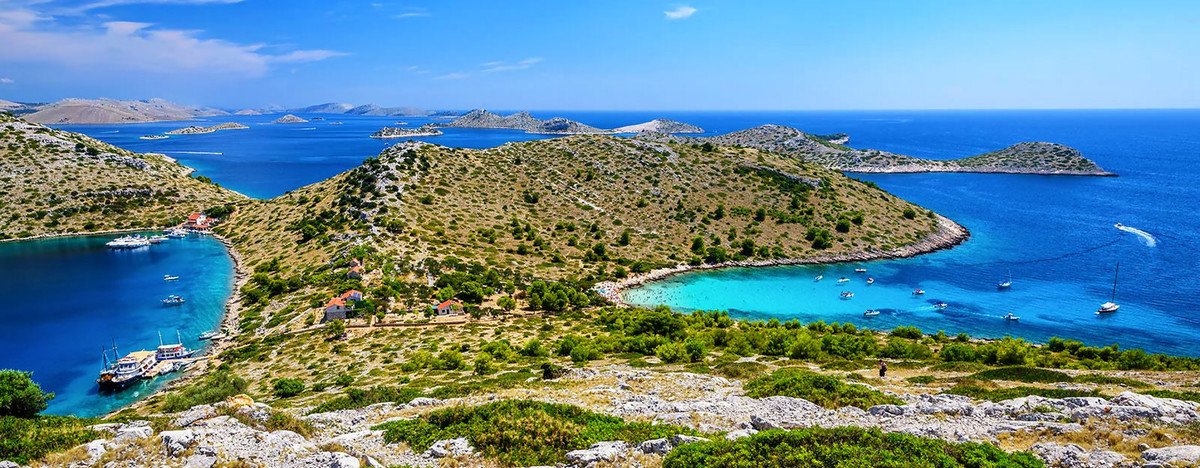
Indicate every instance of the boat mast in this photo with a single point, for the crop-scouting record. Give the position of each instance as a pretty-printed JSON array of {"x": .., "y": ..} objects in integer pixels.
[
  {"x": 1115, "y": 274},
  {"x": 160, "y": 343},
  {"x": 178, "y": 337}
]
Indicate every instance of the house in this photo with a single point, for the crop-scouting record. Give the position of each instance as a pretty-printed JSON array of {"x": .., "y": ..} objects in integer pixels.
[
  {"x": 450, "y": 307},
  {"x": 356, "y": 269},
  {"x": 337, "y": 307},
  {"x": 199, "y": 221}
]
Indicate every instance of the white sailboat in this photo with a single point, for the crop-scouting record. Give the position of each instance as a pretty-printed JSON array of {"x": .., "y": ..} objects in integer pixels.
[
  {"x": 1006, "y": 284},
  {"x": 1111, "y": 306}
]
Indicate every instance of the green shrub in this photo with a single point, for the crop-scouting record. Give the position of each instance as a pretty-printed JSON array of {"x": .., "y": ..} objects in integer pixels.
[
  {"x": 843, "y": 446},
  {"x": 955, "y": 352},
  {"x": 671, "y": 353},
  {"x": 287, "y": 388},
  {"x": 358, "y": 398},
  {"x": 998, "y": 394},
  {"x": 20, "y": 396},
  {"x": 739, "y": 370},
  {"x": 1107, "y": 380},
  {"x": 820, "y": 389},
  {"x": 1022, "y": 374},
  {"x": 1187, "y": 396},
  {"x": 216, "y": 387},
  {"x": 907, "y": 331},
  {"x": 921, "y": 379},
  {"x": 522, "y": 432},
  {"x": 25, "y": 439}
]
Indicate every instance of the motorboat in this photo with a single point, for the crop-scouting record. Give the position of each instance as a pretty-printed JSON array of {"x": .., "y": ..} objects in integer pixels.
[
  {"x": 847, "y": 295},
  {"x": 860, "y": 270},
  {"x": 170, "y": 278},
  {"x": 918, "y": 292},
  {"x": 871, "y": 313},
  {"x": 870, "y": 280},
  {"x": 128, "y": 242},
  {"x": 1010, "y": 317},
  {"x": 819, "y": 278},
  {"x": 173, "y": 300},
  {"x": 941, "y": 306},
  {"x": 843, "y": 280}
]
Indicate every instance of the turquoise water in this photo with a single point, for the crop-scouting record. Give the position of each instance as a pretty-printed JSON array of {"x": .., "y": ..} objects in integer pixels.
[{"x": 70, "y": 297}]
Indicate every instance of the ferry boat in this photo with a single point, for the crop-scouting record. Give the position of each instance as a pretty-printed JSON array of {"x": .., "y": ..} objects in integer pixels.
[
  {"x": 847, "y": 295},
  {"x": 170, "y": 278},
  {"x": 173, "y": 300},
  {"x": 1010, "y": 317},
  {"x": 126, "y": 371},
  {"x": 128, "y": 242},
  {"x": 167, "y": 352},
  {"x": 870, "y": 313},
  {"x": 1111, "y": 306}
]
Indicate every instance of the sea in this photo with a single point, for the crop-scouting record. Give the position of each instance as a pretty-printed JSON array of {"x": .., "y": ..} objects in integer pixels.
[{"x": 1053, "y": 236}]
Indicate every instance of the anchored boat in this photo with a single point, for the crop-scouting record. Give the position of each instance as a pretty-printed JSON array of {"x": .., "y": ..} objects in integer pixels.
[{"x": 1111, "y": 306}]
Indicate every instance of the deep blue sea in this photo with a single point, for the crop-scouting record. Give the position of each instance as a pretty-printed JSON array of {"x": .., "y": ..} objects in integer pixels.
[
  {"x": 1055, "y": 236},
  {"x": 70, "y": 297}
]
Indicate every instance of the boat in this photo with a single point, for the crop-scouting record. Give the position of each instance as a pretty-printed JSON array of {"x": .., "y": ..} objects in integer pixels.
[
  {"x": 176, "y": 233},
  {"x": 153, "y": 137},
  {"x": 918, "y": 292},
  {"x": 1010, "y": 317},
  {"x": 819, "y": 278},
  {"x": 1006, "y": 284},
  {"x": 843, "y": 280},
  {"x": 128, "y": 242},
  {"x": 173, "y": 300},
  {"x": 860, "y": 270},
  {"x": 125, "y": 371},
  {"x": 170, "y": 278},
  {"x": 208, "y": 335},
  {"x": 1111, "y": 306},
  {"x": 871, "y": 313},
  {"x": 157, "y": 239},
  {"x": 941, "y": 306},
  {"x": 870, "y": 280},
  {"x": 167, "y": 352},
  {"x": 847, "y": 295}
]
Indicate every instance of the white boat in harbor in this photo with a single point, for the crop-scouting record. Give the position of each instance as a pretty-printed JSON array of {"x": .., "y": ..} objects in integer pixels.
[
  {"x": 871, "y": 313},
  {"x": 208, "y": 335},
  {"x": 1111, "y": 306},
  {"x": 157, "y": 239},
  {"x": 128, "y": 242},
  {"x": 176, "y": 233},
  {"x": 1010, "y": 317}
]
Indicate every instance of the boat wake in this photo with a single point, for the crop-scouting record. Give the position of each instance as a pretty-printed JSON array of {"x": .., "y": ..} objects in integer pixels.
[
  {"x": 195, "y": 152},
  {"x": 1147, "y": 239}
]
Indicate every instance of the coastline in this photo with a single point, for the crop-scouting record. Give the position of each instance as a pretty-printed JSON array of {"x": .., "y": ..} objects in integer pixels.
[
  {"x": 948, "y": 235},
  {"x": 83, "y": 234},
  {"x": 972, "y": 170}
]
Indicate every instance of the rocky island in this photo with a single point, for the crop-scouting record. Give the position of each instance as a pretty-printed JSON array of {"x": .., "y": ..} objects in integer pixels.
[
  {"x": 197, "y": 130},
  {"x": 1022, "y": 158},
  {"x": 289, "y": 119},
  {"x": 399, "y": 132},
  {"x": 660, "y": 126},
  {"x": 109, "y": 111},
  {"x": 480, "y": 118}
]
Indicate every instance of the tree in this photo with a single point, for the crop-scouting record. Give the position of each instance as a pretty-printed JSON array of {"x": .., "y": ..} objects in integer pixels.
[
  {"x": 506, "y": 303},
  {"x": 335, "y": 329},
  {"x": 20, "y": 396},
  {"x": 285, "y": 388}
]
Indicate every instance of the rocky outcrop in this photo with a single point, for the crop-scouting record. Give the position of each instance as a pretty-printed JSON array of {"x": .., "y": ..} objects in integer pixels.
[
  {"x": 1185, "y": 455},
  {"x": 399, "y": 132},
  {"x": 196, "y": 129},
  {"x": 289, "y": 119},
  {"x": 666, "y": 126},
  {"x": 1074, "y": 456}
]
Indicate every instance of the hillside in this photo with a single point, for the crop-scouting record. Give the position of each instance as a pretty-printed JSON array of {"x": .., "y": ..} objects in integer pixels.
[
  {"x": 661, "y": 126},
  {"x": 109, "y": 111},
  {"x": 480, "y": 118},
  {"x": 1022, "y": 158},
  {"x": 55, "y": 182}
]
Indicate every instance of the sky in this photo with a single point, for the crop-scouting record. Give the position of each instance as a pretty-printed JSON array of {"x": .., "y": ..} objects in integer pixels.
[{"x": 608, "y": 55}]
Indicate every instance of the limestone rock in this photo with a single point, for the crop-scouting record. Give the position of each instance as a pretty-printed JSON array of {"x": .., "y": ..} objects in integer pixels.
[
  {"x": 740, "y": 433},
  {"x": 450, "y": 448},
  {"x": 177, "y": 441},
  {"x": 1182, "y": 454},
  {"x": 133, "y": 432},
  {"x": 598, "y": 452},
  {"x": 1074, "y": 456},
  {"x": 193, "y": 414}
]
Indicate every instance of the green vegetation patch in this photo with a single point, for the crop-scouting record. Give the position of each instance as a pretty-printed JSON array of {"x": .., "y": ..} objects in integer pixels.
[
  {"x": 822, "y": 390},
  {"x": 216, "y": 387},
  {"x": 998, "y": 394},
  {"x": 1188, "y": 396},
  {"x": 358, "y": 398},
  {"x": 26, "y": 439},
  {"x": 1107, "y": 380},
  {"x": 843, "y": 446},
  {"x": 523, "y": 432},
  {"x": 1022, "y": 374}
]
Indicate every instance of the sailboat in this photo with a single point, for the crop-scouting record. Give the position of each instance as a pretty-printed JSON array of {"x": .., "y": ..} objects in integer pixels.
[
  {"x": 1111, "y": 306},
  {"x": 1006, "y": 284}
]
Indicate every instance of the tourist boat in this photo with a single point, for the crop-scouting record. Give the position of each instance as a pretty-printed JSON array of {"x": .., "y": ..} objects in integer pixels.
[
  {"x": 870, "y": 313},
  {"x": 870, "y": 280},
  {"x": 176, "y": 233},
  {"x": 157, "y": 239},
  {"x": 941, "y": 305},
  {"x": 918, "y": 292},
  {"x": 128, "y": 242},
  {"x": 860, "y": 270},
  {"x": 208, "y": 335},
  {"x": 1006, "y": 284},
  {"x": 173, "y": 300},
  {"x": 847, "y": 294},
  {"x": 126, "y": 371},
  {"x": 170, "y": 278},
  {"x": 1111, "y": 306},
  {"x": 1010, "y": 317},
  {"x": 167, "y": 352},
  {"x": 153, "y": 137},
  {"x": 819, "y": 278},
  {"x": 843, "y": 280}
]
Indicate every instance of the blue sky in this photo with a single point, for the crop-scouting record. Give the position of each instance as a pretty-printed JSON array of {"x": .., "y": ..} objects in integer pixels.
[{"x": 621, "y": 54}]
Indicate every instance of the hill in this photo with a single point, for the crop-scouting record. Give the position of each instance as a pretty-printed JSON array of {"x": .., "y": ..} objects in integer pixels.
[
  {"x": 1022, "y": 158},
  {"x": 661, "y": 126},
  {"x": 108, "y": 111},
  {"x": 289, "y": 119},
  {"x": 57, "y": 182},
  {"x": 326, "y": 108},
  {"x": 480, "y": 118},
  {"x": 372, "y": 109}
]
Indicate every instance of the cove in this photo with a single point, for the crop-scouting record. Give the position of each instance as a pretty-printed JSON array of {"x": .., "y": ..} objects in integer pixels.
[{"x": 69, "y": 297}]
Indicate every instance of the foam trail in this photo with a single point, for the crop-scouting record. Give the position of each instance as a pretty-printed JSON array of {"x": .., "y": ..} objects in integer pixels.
[
  {"x": 194, "y": 152},
  {"x": 1146, "y": 238}
]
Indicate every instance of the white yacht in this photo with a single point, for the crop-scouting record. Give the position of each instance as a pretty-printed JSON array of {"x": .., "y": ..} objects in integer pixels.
[
  {"x": 1111, "y": 306},
  {"x": 128, "y": 242}
]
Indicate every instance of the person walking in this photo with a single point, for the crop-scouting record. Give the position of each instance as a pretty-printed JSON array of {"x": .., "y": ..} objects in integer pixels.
[{"x": 882, "y": 369}]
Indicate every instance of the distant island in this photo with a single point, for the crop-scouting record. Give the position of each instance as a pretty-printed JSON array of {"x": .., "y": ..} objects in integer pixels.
[
  {"x": 481, "y": 118},
  {"x": 110, "y": 111},
  {"x": 289, "y": 119},
  {"x": 398, "y": 132},
  {"x": 196, "y": 129},
  {"x": 1022, "y": 158}
]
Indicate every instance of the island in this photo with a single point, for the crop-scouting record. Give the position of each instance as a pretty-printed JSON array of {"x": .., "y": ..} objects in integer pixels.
[
  {"x": 196, "y": 129},
  {"x": 111, "y": 111},
  {"x": 1041, "y": 158},
  {"x": 398, "y": 132},
  {"x": 481, "y": 118},
  {"x": 661, "y": 126},
  {"x": 289, "y": 119}
]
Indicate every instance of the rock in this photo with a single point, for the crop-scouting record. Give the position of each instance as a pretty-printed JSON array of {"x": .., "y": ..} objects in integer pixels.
[
  {"x": 239, "y": 400},
  {"x": 599, "y": 451},
  {"x": 762, "y": 424},
  {"x": 326, "y": 460},
  {"x": 655, "y": 446},
  {"x": 177, "y": 441},
  {"x": 193, "y": 414},
  {"x": 424, "y": 401},
  {"x": 740, "y": 433},
  {"x": 8, "y": 464},
  {"x": 450, "y": 448},
  {"x": 106, "y": 427},
  {"x": 1074, "y": 456},
  {"x": 257, "y": 411},
  {"x": 1184, "y": 454},
  {"x": 200, "y": 461},
  {"x": 130, "y": 433}
]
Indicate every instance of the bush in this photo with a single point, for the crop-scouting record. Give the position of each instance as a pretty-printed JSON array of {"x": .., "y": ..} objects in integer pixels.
[
  {"x": 358, "y": 398},
  {"x": 843, "y": 446},
  {"x": 906, "y": 331},
  {"x": 521, "y": 432},
  {"x": 287, "y": 388},
  {"x": 955, "y": 352},
  {"x": 822, "y": 390},
  {"x": 1022, "y": 374},
  {"x": 25, "y": 439},
  {"x": 739, "y": 370},
  {"x": 20, "y": 396},
  {"x": 671, "y": 353},
  {"x": 999, "y": 394},
  {"x": 216, "y": 387}
]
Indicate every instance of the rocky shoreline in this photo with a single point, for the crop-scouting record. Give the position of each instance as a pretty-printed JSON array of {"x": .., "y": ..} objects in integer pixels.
[
  {"x": 198, "y": 130},
  {"x": 948, "y": 235},
  {"x": 398, "y": 132}
]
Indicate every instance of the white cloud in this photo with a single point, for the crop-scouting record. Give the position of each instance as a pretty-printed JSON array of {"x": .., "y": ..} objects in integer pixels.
[
  {"x": 680, "y": 12},
  {"x": 412, "y": 14},
  {"x": 453, "y": 76},
  {"x": 133, "y": 46},
  {"x": 6, "y": 80},
  {"x": 111, "y": 3},
  {"x": 491, "y": 67}
]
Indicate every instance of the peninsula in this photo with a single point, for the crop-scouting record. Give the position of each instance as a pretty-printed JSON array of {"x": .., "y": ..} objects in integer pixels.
[
  {"x": 400, "y": 132},
  {"x": 110, "y": 111},
  {"x": 289, "y": 119},
  {"x": 196, "y": 129},
  {"x": 1023, "y": 158},
  {"x": 480, "y": 118},
  {"x": 660, "y": 126}
]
